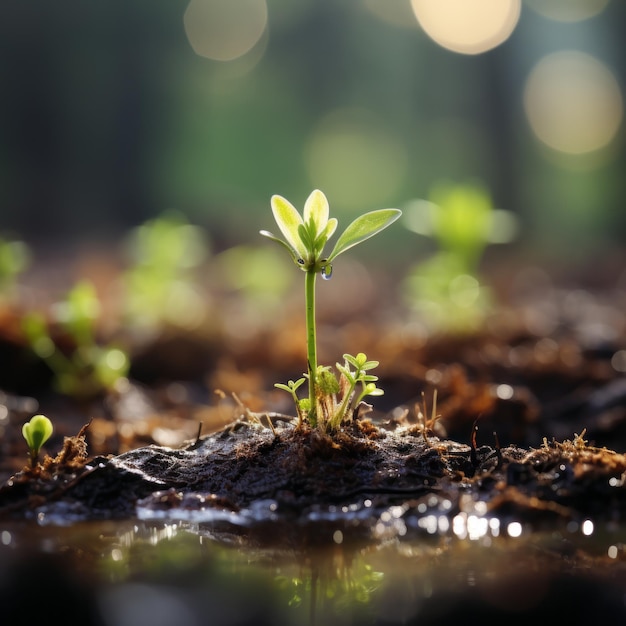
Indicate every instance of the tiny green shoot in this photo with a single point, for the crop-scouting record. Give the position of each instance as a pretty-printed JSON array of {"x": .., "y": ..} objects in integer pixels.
[
  {"x": 305, "y": 237},
  {"x": 36, "y": 432},
  {"x": 292, "y": 387}
]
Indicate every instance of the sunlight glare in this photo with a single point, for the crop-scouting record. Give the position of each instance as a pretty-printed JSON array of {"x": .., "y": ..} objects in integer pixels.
[
  {"x": 568, "y": 10},
  {"x": 468, "y": 26},
  {"x": 395, "y": 12},
  {"x": 573, "y": 102},
  {"x": 222, "y": 30}
]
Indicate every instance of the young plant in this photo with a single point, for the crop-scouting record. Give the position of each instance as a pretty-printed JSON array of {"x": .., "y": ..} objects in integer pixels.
[
  {"x": 36, "y": 432},
  {"x": 160, "y": 288},
  {"x": 446, "y": 289},
  {"x": 85, "y": 368},
  {"x": 305, "y": 237},
  {"x": 349, "y": 382}
]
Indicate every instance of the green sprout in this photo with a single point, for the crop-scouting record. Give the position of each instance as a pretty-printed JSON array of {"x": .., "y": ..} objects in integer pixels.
[
  {"x": 338, "y": 400},
  {"x": 88, "y": 367},
  {"x": 292, "y": 387},
  {"x": 446, "y": 289},
  {"x": 36, "y": 432},
  {"x": 305, "y": 237}
]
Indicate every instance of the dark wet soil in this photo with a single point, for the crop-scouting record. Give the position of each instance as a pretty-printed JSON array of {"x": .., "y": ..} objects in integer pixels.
[
  {"x": 530, "y": 419},
  {"x": 299, "y": 470}
]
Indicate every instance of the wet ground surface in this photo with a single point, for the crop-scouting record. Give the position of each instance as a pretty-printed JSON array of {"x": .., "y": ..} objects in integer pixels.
[{"x": 193, "y": 489}]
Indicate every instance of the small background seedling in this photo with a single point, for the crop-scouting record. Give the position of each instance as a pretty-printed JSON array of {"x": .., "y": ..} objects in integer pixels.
[
  {"x": 446, "y": 290},
  {"x": 82, "y": 366},
  {"x": 160, "y": 286},
  {"x": 305, "y": 237}
]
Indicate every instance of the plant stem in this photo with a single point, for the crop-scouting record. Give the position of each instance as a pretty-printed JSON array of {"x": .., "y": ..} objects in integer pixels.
[{"x": 311, "y": 342}]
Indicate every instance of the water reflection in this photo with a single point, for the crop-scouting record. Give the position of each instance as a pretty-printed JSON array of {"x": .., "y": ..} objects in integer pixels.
[{"x": 190, "y": 574}]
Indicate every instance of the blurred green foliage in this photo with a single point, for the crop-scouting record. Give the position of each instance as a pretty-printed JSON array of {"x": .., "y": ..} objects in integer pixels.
[
  {"x": 83, "y": 367},
  {"x": 161, "y": 286},
  {"x": 15, "y": 257},
  {"x": 109, "y": 115},
  {"x": 446, "y": 289}
]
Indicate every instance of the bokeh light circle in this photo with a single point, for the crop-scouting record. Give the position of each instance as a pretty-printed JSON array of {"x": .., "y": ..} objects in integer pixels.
[
  {"x": 467, "y": 26},
  {"x": 573, "y": 102},
  {"x": 224, "y": 30},
  {"x": 355, "y": 159},
  {"x": 568, "y": 10}
]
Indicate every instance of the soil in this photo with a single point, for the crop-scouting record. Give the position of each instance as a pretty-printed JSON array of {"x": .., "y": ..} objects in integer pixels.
[{"x": 527, "y": 426}]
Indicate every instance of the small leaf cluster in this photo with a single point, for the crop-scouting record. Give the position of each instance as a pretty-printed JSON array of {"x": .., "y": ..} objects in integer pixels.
[
  {"x": 292, "y": 388},
  {"x": 337, "y": 399},
  {"x": 306, "y": 235},
  {"x": 356, "y": 384}
]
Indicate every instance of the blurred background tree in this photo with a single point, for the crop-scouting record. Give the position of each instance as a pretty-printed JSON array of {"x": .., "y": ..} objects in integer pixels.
[{"x": 113, "y": 112}]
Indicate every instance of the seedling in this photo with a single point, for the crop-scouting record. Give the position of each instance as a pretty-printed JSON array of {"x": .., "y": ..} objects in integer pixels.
[
  {"x": 87, "y": 367},
  {"x": 446, "y": 289},
  {"x": 159, "y": 286},
  {"x": 351, "y": 394},
  {"x": 305, "y": 237},
  {"x": 36, "y": 432}
]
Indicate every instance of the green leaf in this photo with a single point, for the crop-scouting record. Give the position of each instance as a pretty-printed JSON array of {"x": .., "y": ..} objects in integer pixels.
[
  {"x": 291, "y": 386},
  {"x": 349, "y": 376},
  {"x": 373, "y": 390},
  {"x": 266, "y": 233},
  {"x": 368, "y": 378},
  {"x": 288, "y": 220},
  {"x": 363, "y": 228},
  {"x": 307, "y": 237},
  {"x": 37, "y": 432},
  {"x": 330, "y": 229},
  {"x": 316, "y": 210}
]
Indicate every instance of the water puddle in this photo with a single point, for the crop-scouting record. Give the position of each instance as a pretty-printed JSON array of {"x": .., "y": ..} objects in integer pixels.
[{"x": 248, "y": 569}]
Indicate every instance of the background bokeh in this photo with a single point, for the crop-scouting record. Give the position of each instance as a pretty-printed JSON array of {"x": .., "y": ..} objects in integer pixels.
[{"x": 113, "y": 112}]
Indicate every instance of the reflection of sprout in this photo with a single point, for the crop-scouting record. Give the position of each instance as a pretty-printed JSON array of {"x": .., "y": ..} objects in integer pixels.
[
  {"x": 36, "y": 432},
  {"x": 305, "y": 237},
  {"x": 86, "y": 368},
  {"x": 331, "y": 587},
  {"x": 160, "y": 287},
  {"x": 446, "y": 289}
]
